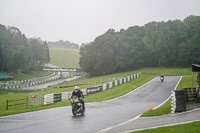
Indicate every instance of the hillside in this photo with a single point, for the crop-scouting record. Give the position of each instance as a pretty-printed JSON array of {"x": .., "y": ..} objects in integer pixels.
[{"x": 64, "y": 58}]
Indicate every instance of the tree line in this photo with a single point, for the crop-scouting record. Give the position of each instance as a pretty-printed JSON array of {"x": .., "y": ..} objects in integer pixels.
[
  {"x": 156, "y": 44},
  {"x": 62, "y": 44},
  {"x": 18, "y": 53}
]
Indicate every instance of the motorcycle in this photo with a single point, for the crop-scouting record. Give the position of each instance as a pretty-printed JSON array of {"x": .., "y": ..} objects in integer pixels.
[
  {"x": 161, "y": 79},
  {"x": 77, "y": 106}
]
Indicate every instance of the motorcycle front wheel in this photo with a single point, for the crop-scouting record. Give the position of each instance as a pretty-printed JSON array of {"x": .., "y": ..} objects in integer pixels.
[
  {"x": 83, "y": 111},
  {"x": 73, "y": 112},
  {"x": 74, "y": 109}
]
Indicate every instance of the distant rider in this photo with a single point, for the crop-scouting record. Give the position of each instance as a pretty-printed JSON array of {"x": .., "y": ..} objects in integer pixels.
[
  {"x": 162, "y": 77},
  {"x": 77, "y": 92}
]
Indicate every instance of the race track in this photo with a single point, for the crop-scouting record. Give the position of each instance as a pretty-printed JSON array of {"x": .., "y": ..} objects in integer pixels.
[{"x": 98, "y": 116}]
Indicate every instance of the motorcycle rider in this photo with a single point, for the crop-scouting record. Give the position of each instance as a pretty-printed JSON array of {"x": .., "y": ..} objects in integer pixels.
[
  {"x": 162, "y": 77},
  {"x": 77, "y": 92}
]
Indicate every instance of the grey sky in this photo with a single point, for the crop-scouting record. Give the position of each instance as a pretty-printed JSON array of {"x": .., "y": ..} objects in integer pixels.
[{"x": 81, "y": 21}]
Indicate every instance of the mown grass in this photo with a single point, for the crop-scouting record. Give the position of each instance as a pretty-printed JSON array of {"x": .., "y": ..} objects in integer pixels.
[
  {"x": 34, "y": 74},
  {"x": 167, "y": 71},
  {"x": 188, "y": 82},
  {"x": 192, "y": 127},
  {"x": 165, "y": 109},
  {"x": 64, "y": 58}
]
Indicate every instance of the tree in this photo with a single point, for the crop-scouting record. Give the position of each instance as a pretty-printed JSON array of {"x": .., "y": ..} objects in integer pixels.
[
  {"x": 170, "y": 44},
  {"x": 19, "y": 53}
]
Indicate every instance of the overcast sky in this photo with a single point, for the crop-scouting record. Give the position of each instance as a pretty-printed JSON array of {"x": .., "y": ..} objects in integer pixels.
[{"x": 81, "y": 21}]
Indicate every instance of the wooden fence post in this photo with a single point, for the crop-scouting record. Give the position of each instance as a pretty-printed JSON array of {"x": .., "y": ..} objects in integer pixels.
[
  {"x": 7, "y": 105},
  {"x": 27, "y": 102}
]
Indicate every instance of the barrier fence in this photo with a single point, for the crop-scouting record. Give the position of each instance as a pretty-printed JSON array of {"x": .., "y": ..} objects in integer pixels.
[
  {"x": 52, "y": 98},
  {"x": 181, "y": 97},
  {"x": 33, "y": 99},
  {"x": 24, "y": 101},
  {"x": 27, "y": 83}
]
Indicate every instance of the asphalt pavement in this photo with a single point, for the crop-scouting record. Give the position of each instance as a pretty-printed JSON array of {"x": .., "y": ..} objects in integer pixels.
[{"x": 99, "y": 116}]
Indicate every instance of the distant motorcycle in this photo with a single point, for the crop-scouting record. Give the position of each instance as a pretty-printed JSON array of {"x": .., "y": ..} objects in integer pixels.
[
  {"x": 77, "y": 106},
  {"x": 162, "y": 78}
]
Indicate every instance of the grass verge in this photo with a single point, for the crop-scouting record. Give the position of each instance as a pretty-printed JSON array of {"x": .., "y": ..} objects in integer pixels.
[
  {"x": 22, "y": 76},
  {"x": 192, "y": 127}
]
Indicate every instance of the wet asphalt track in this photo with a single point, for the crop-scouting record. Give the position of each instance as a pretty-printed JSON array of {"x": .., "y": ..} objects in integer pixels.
[{"x": 98, "y": 116}]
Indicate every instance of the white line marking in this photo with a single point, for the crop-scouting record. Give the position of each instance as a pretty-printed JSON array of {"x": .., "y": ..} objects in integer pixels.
[{"x": 104, "y": 130}]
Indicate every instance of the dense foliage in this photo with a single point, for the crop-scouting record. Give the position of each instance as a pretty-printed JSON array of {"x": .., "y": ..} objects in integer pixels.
[
  {"x": 19, "y": 53},
  {"x": 168, "y": 44}
]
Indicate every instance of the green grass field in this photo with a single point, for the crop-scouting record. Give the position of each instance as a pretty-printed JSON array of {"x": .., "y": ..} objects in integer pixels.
[
  {"x": 64, "y": 58},
  {"x": 193, "y": 127},
  {"x": 22, "y": 76}
]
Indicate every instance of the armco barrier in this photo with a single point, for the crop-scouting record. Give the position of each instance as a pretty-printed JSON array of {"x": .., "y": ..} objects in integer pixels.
[
  {"x": 57, "y": 97},
  {"x": 92, "y": 90},
  {"x": 51, "y": 98},
  {"x": 104, "y": 87},
  {"x": 118, "y": 82},
  {"x": 84, "y": 92},
  {"x": 65, "y": 96},
  {"x": 173, "y": 102},
  {"x": 17, "y": 84},
  {"x": 107, "y": 86},
  {"x": 100, "y": 88},
  {"x": 113, "y": 84},
  {"x": 48, "y": 99},
  {"x": 124, "y": 80},
  {"x": 110, "y": 85}
]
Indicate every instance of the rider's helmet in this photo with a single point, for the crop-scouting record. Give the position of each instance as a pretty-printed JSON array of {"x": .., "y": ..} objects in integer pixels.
[{"x": 76, "y": 88}]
